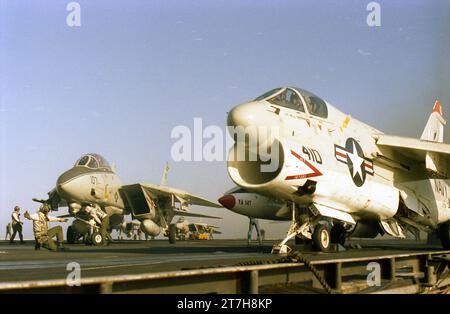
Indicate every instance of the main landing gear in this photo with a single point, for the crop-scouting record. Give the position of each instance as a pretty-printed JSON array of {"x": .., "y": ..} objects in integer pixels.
[{"x": 319, "y": 231}]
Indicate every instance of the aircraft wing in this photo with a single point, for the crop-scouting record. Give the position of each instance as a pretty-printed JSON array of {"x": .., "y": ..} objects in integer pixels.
[
  {"x": 190, "y": 214},
  {"x": 435, "y": 155},
  {"x": 187, "y": 198},
  {"x": 196, "y": 200}
]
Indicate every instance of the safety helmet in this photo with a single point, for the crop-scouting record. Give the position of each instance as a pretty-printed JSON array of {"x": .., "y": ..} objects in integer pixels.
[{"x": 45, "y": 208}]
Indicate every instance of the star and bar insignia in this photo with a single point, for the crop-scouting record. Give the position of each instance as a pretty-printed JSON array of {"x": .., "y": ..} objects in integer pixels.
[{"x": 353, "y": 155}]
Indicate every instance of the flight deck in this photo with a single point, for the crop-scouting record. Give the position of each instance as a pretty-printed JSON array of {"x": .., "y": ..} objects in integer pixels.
[{"x": 224, "y": 266}]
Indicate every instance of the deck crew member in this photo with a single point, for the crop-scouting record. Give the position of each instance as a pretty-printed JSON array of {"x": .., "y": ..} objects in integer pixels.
[
  {"x": 8, "y": 231},
  {"x": 16, "y": 225},
  {"x": 43, "y": 235},
  {"x": 253, "y": 223}
]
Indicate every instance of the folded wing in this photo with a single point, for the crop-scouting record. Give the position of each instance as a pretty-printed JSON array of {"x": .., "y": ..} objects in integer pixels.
[{"x": 434, "y": 155}]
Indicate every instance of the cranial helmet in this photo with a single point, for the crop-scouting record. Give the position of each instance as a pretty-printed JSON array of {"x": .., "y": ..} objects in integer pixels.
[{"x": 45, "y": 208}]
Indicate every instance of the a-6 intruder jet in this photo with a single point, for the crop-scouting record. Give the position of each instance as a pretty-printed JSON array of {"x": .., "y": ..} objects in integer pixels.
[
  {"x": 335, "y": 176},
  {"x": 93, "y": 183}
]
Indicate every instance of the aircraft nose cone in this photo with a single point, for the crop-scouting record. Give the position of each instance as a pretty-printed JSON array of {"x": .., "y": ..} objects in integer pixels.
[
  {"x": 64, "y": 178},
  {"x": 242, "y": 115},
  {"x": 227, "y": 201},
  {"x": 252, "y": 114},
  {"x": 65, "y": 185}
]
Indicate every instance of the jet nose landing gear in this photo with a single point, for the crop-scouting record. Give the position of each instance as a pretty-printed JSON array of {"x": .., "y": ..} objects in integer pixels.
[
  {"x": 323, "y": 233},
  {"x": 97, "y": 238},
  {"x": 300, "y": 227}
]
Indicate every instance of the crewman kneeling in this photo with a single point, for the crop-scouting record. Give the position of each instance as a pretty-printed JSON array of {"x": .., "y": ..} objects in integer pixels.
[{"x": 43, "y": 235}]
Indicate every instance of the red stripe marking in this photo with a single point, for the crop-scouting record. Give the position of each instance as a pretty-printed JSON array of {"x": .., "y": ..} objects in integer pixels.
[
  {"x": 299, "y": 176},
  {"x": 315, "y": 172},
  {"x": 341, "y": 154},
  {"x": 368, "y": 165}
]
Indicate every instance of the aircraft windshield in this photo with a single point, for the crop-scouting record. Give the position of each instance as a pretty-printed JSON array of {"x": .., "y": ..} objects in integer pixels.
[
  {"x": 93, "y": 161},
  {"x": 316, "y": 106},
  {"x": 267, "y": 94},
  {"x": 288, "y": 98},
  {"x": 83, "y": 161}
]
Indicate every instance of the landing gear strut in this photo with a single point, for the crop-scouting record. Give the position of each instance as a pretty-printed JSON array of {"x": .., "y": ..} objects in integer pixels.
[
  {"x": 300, "y": 226},
  {"x": 319, "y": 230}
]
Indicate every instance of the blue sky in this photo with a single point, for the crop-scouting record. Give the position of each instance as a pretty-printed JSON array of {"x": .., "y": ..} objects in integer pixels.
[{"x": 118, "y": 84}]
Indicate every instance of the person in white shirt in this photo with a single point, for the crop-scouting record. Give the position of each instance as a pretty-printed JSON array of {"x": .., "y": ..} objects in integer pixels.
[
  {"x": 16, "y": 225},
  {"x": 43, "y": 235}
]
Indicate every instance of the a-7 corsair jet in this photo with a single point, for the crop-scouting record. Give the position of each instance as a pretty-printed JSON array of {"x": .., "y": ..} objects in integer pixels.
[{"x": 336, "y": 176}]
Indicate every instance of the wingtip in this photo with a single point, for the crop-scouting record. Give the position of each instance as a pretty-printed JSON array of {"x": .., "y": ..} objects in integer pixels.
[{"x": 437, "y": 107}]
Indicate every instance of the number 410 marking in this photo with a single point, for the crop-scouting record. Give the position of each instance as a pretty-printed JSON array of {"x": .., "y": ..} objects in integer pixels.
[{"x": 312, "y": 154}]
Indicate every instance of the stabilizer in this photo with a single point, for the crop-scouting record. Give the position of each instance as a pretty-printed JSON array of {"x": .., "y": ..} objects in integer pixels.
[{"x": 434, "y": 129}]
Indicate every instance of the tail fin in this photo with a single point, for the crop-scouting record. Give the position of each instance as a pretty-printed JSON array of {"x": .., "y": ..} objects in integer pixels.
[
  {"x": 434, "y": 130},
  {"x": 164, "y": 175}
]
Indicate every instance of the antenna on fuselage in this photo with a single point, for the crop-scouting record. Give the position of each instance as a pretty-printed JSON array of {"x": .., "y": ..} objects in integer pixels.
[{"x": 165, "y": 173}]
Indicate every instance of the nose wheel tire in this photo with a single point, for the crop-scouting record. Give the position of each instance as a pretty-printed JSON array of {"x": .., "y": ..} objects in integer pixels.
[
  {"x": 172, "y": 233},
  {"x": 321, "y": 238},
  {"x": 97, "y": 238}
]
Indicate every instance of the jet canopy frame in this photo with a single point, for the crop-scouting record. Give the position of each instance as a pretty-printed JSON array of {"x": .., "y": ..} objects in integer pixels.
[
  {"x": 297, "y": 99},
  {"x": 93, "y": 161}
]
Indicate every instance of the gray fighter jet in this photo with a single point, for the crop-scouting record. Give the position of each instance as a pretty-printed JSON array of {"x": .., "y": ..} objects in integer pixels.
[{"x": 92, "y": 183}]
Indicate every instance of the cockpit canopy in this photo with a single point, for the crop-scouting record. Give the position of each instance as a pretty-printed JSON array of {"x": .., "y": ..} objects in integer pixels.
[
  {"x": 297, "y": 99},
  {"x": 93, "y": 161}
]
